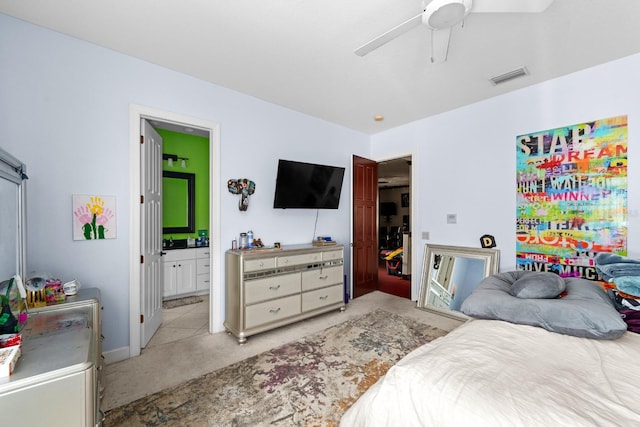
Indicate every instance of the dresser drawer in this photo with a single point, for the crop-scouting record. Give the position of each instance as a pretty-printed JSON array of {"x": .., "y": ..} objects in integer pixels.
[
  {"x": 271, "y": 311},
  {"x": 332, "y": 255},
  {"x": 203, "y": 265},
  {"x": 259, "y": 264},
  {"x": 284, "y": 261},
  {"x": 271, "y": 287},
  {"x": 321, "y": 277},
  {"x": 322, "y": 297}
]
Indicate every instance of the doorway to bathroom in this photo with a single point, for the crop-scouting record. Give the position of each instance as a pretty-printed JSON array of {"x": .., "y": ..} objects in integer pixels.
[
  {"x": 147, "y": 290},
  {"x": 185, "y": 254}
]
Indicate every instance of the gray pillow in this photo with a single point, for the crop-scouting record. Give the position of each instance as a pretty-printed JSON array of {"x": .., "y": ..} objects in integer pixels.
[
  {"x": 586, "y": 310},
  {"x": 538, "y": 285}
]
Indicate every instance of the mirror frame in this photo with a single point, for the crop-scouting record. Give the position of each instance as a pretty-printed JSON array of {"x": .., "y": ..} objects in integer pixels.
[
  {"x": 491, "y": 259},
  {"x": 15, "y": 172},
  {"x": 191, "y": 202}
]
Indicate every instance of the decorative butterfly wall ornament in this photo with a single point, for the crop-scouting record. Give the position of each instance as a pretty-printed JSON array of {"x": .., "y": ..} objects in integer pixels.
[{"x": 245, "y": 187}]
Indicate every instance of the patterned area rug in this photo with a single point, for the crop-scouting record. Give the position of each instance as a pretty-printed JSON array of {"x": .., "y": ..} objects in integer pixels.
[{"x": 310, "y": 382}]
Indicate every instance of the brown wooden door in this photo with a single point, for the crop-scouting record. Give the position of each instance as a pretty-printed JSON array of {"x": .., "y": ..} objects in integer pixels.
[{"x": 365, "y": 226}]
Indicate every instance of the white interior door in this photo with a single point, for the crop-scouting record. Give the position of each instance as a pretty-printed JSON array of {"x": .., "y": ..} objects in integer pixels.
[{"x": 151, "y": 233}]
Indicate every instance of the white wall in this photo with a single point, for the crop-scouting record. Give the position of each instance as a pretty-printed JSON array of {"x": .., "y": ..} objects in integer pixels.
[
  {"x": 64, "y": 111},
  {"x": 464, "y": 160}
]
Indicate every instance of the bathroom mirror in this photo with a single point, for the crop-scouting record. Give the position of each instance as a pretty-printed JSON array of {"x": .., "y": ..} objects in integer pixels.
[
  {"x": 12, "y": 216},
  {"x": 450, "y": 274},
  {"x": 178, "y": 202}
]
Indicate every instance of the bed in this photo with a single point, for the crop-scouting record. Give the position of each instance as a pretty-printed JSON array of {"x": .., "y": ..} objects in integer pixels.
[{"x": 492, "y": 372}]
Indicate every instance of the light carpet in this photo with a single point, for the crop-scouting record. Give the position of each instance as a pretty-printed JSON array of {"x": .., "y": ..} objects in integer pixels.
[{"x": 309, "y": 382}]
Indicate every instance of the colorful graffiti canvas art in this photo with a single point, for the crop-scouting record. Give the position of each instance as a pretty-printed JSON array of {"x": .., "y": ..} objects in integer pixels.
[
  {"x": 571, "y": 197},
  {"x": 94, "y": 217}
]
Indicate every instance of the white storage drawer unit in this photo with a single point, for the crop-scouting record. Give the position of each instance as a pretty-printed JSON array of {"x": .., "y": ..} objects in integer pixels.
[
  {"x": 186, "y": 271},
  {"x": 268, "y": 288}
]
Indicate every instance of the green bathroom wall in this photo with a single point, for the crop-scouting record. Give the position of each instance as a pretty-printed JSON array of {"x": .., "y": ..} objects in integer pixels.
[{"x": 196, "y": 149}]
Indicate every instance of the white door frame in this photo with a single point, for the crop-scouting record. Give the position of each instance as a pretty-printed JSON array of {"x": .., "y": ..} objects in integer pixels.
[
  {"x": 136, "y": 113},
  {"x": 413, "y": 212}
]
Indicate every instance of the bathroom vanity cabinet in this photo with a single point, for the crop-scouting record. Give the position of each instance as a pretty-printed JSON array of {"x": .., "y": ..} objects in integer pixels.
[{"x": 186, "y": 271}]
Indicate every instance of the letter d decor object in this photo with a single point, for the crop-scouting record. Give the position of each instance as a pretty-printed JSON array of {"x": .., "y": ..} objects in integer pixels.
[
  {"x": 488, "y": 241},
  {"x": 245, "y": 187}
]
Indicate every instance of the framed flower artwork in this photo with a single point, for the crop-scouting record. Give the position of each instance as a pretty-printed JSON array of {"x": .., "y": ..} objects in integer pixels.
[{"x": 94, "y": 217}]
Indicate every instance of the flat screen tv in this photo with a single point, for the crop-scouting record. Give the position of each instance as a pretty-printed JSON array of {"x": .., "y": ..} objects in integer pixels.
[
  {"x": 307, "y": 186},
  {"x": 388, "y": 208}
]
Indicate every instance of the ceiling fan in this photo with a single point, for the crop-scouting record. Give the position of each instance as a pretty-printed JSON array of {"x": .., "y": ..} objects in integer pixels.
[{"x": 441, "y": 15}]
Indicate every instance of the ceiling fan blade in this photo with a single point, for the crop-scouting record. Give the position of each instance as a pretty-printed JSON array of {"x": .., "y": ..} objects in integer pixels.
[
  {"x": 510, "y": 6},
  {"x": 389, "y": 35},
  {"x": 440, "y": 44}
]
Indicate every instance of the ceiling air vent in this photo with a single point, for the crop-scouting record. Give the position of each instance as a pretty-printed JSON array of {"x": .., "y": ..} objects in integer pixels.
[{"x": 514, "y": 74}]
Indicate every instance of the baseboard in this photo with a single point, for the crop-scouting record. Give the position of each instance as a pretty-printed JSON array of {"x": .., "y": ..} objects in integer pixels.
[{"x": 117, "y": 355}]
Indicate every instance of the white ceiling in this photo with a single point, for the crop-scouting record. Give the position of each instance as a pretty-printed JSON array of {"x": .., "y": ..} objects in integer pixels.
[{"x": 299, "y": 54}]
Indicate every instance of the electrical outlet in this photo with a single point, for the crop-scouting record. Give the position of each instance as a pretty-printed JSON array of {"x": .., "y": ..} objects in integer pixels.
[
  {"x": 452, "y": 218},
  {"x": 425, "y": 235}
]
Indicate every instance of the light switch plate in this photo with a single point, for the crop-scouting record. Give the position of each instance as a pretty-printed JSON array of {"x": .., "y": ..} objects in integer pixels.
[
  {"x": 452, "y": 218},
  {"x": 425, "y": 235}
]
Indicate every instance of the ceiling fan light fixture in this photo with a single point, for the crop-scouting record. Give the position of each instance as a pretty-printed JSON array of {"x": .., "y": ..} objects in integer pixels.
[
  {"x": 510, "y": 75},
  {"x": 441, "y": 14}
]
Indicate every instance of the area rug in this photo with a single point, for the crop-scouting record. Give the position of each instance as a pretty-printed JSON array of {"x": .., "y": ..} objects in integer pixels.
[
  {"x": 179, "y": 302},
  {"x": 309, "y": 382}
]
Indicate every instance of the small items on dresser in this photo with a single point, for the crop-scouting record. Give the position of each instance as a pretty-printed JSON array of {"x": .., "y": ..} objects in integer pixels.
[
  {"x": 41, "y": 290},
  {"x": 10, "y": 352},
  {"x": 13, "y": 314},
  {"x": 8, "y": 358}
]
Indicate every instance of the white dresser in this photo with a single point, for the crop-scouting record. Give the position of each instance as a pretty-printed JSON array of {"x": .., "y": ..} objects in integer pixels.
[
  {"x": 58, "y": 380},
  {"x": 268, "y": 288}
]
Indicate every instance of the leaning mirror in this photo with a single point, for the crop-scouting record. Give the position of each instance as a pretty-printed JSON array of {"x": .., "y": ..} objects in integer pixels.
[
  {"x": 12, "y": 216},
  {"x": 450, "y": 274}
]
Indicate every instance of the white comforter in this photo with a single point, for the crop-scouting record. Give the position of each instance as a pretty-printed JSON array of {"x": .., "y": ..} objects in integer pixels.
[{"x": 494, "y": 373}]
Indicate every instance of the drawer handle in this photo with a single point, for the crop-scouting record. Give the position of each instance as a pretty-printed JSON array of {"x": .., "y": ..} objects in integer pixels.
[
  {"x": 274, "y": 288},
  {"x": 206, "y": 281},
  {"x": 206, "y": 265},
  {"x": 276, "y": 311},
  {"x": 324, "y": 297},
  {"x": 261, "y": 264},
  {"x": 323, "y": 277}
]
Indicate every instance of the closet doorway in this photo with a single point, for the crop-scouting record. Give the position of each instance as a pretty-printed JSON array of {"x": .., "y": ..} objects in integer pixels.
[{"x": 394, "y": 226}]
